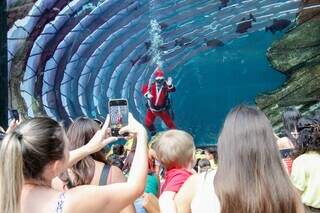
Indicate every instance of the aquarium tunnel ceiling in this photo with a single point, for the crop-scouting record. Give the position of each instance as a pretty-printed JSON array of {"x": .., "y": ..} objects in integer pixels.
[{"x": 83, "y": 53}]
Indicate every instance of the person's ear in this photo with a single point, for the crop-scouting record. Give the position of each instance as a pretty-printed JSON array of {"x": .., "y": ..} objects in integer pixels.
[
  {"x": 52, "y": 170},
  {"x": 57, "y": 167}
]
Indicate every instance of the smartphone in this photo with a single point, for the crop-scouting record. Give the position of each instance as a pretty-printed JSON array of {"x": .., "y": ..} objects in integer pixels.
[
  {"x": 118, "y": 111},
  {"x": 15, "y": 114}
]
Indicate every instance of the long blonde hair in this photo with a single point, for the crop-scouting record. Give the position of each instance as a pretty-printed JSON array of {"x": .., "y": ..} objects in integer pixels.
[
  {"x": 24, "y": 153},
  {"x": 11, "y": 175}
]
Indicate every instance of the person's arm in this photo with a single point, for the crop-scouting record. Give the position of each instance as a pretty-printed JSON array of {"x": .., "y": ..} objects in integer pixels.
[
  {"x": 12, "y": 125},
  {"x": 97, "y": 142},
  {"x": 114, "y": 197},
  {"x": 185, "y": 195},
  {"x": 118, "y": 177},
  {"x": 166, "y": 202},
  {"x": 146, "y": 92},
  {"x": 150, "y": 203}
]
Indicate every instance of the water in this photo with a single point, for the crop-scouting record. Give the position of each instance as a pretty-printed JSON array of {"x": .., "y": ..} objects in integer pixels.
[{"x": 212, "y": 83}]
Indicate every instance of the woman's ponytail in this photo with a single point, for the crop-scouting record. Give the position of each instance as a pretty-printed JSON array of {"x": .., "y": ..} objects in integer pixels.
[
  {"x": 24, "y": 154},
  {"x": 11, "y": 173}
]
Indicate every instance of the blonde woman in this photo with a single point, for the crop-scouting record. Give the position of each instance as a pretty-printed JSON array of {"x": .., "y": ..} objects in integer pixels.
[{"x": 32, "y": 155}]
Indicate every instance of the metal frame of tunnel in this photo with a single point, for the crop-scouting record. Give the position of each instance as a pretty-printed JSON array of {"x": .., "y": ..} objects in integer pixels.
[{"x": 3, "y": 66}]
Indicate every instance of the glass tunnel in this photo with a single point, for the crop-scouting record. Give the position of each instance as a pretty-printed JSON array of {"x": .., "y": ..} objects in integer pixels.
[{"x": 69, "y": 58}]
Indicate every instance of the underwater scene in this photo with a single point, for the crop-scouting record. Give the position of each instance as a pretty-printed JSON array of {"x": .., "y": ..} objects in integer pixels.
[{"x": 67, "y": 59}]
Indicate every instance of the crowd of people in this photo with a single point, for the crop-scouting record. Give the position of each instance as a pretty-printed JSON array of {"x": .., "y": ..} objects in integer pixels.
[{"x": 47, "y": 168}]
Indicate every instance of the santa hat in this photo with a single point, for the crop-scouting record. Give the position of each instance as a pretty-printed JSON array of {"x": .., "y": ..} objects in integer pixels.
[{"x": 159, "y": 74}]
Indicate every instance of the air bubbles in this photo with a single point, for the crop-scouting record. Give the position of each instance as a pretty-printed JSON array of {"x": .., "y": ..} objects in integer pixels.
[{"x": 156, "y": 42}]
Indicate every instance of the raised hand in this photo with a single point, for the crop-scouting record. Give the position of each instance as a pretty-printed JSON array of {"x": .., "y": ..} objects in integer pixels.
[
  {"x": 12, "y": 125},
  {"x": 133, "y": 127},
  {"x": 102, "y": 137},
  {"x": 169, "y": 81}
]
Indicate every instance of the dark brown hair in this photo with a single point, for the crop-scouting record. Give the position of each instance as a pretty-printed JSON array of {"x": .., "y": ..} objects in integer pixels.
[
  {"x": 290, "y": 119},
  {"x": 309, "y": 135},
  {"x": 250, "y": 176},
  {"x": 24, "y": 154},
  {"x": 80, "y": 133}
]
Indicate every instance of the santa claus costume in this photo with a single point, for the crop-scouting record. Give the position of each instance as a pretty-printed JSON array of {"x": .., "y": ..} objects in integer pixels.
[{"x": 158, "y": 102}]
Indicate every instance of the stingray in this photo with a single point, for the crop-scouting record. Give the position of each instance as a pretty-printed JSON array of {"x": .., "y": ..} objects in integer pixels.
[
  {"x": 213, "y": 42},
  {"x": 144, "y": 59},
  {"x": 182, "y": 42}
]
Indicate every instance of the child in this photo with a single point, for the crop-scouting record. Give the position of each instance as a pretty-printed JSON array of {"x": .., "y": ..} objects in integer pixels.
[
  {"x": 203, "y": 165},
  {"x": 175, "y": 150}
]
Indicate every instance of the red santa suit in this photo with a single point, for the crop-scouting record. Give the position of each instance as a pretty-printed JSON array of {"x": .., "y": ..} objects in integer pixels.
[{"x": 157, "y": 96}]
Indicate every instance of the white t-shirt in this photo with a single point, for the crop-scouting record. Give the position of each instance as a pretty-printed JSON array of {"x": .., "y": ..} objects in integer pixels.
[{"x": 305, "y": 176}]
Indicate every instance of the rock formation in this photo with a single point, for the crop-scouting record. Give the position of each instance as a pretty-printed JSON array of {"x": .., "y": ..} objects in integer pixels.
[{"x": 297, "y": 55}]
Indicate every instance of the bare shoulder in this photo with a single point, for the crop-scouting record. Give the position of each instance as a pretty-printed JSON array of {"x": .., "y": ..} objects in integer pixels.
[
  {"x": 117, "y": 175},
  {"x": 189, "y": 187},
  {"x": 186, "y": 194},
  {"x": 99, "y": 165}
]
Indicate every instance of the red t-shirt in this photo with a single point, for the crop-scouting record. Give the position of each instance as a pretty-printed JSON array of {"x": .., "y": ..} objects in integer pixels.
[
  {"x": 174, "y": 179},
  {"x": 288, "y": 164}
]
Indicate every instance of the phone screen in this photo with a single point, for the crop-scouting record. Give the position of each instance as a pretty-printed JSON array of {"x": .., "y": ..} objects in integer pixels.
[{"x": 118, "y": 110}]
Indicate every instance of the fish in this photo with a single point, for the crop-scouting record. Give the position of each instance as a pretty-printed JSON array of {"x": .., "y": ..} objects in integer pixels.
[
  {"x": 163, "y": 47},
  {"x": 214, "y": 43},
  {"x": 182, "y": 41},
  {"x": 245, "y": 24},
  {"x": 147, "y": 44},
  {"x": 278, "y": 25},
  {"x": 163, "y": 25},
  {"x": 144, "y": 59},
  {"x": 134, "y": 61},
  {"x": 224, "y": 3}
]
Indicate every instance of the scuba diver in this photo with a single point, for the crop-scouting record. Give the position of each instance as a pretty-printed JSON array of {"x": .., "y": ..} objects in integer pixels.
[{"x": 158, "y": 102}]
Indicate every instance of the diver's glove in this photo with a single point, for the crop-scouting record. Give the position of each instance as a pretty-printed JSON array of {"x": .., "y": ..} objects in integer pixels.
[{"x": 169, "y": 82}]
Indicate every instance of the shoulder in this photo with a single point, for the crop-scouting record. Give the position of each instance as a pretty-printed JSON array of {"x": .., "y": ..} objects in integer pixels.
[
  {"x": 117, "y": 175},
  {"x": 309, "y": 156},
  {"x": 302, "y": 162},
  {"x": 179, "y": 175},
  {"x": 186, "y": 194},
  {"x": 191, "y": 183},
  {"x": 98, "y": 164}
]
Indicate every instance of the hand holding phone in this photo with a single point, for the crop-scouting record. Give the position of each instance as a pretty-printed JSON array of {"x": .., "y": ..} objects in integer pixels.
[
  {"x": 101, "y": 138},
  {"x": 134, "y": 127},
  {"x": 118, "y": 111}
]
